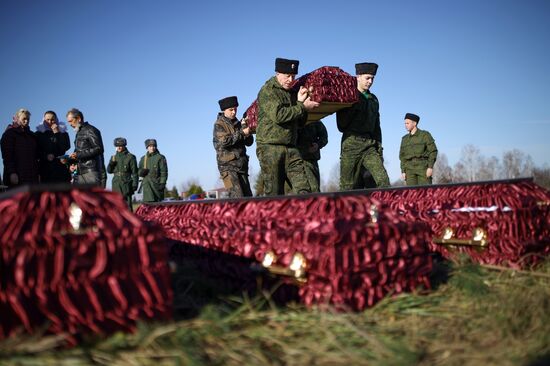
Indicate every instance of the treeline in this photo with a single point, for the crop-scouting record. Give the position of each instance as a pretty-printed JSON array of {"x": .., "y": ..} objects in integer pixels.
[{"x": 473, "y": 166}]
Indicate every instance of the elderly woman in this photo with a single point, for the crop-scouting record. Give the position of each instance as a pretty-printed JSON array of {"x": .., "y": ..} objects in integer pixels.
[
  {"x": 53, "y": 141},
  {"x": 19, "y": 151}
]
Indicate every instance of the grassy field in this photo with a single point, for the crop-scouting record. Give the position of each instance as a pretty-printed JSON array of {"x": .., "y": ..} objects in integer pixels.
[{"x": 474, "y": 316}]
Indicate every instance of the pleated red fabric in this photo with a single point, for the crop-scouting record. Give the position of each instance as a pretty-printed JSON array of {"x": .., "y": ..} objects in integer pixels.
[
  {"x": 354, "y": 258},
  {"x": 100, "y": 278},
  {"x": 514, "y": 213}
]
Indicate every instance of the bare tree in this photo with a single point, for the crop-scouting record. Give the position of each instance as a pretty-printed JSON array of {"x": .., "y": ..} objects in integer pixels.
[
  {"x": 516, "y": 163},
  {"x": 489, "y": 168},
  {"x": 332, "y": 184},
  {"x": 442, "y": 171},
  {"x": 542, "y": 176}
]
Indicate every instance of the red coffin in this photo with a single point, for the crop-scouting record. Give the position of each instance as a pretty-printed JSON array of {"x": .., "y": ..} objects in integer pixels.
[
  {"x": 331, "y": 86},
  {"x": 356, "y": 250},
  {"x": 513, "y": 214},
  {"x": 95, "y": 274}
]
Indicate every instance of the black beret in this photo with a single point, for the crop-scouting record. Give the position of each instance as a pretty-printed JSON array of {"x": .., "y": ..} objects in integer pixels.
[
  {"x": 366, "y": 68},
  {"x": 285, "y": 66},
  {"x": 150, "y": 142},
  {"x": 120, "y": 141},
  {"x": 228, "y": 102},
  {"x": 412, "y": 117}
]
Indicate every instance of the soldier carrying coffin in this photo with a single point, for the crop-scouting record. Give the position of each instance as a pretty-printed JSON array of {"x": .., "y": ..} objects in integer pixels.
[{"x": 230, "y": 141}]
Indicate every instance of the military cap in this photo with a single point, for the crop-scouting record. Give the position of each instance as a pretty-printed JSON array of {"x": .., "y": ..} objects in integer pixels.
[
  {"x": 120, "y": 141},
  {"x": 366, "y": 68},
  {"x": 228, "y": 102},
  {"x": 150, "y": 142},
  {"x": 412, "y": 117},
  {"x": 285, "y": 66}
]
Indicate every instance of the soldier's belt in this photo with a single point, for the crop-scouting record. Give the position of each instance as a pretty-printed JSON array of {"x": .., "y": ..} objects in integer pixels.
[{"x": 122, "y": 174}]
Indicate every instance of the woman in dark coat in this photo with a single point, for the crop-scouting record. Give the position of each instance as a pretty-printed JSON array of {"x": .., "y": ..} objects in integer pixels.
[
  {"x": 53, "y": 141},
  {"x": 19, "y": 151}
]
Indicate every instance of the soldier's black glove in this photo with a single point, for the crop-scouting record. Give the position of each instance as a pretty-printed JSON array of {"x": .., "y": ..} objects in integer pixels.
[
  {"x": 143, "y": 172},
  {"x": 112, "y": 164}
]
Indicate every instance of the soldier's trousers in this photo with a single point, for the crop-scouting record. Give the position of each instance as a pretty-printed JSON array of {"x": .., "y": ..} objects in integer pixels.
[
  {"x": 358, "y": 152},
  {"x": 313, "y": 176},
  {"x": 236, "y": 183},
  {"x": 278, "y": 163},
  {"x": 417, "y": 176}
]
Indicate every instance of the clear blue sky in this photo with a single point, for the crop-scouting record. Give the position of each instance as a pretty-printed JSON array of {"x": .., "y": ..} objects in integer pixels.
[{"x": 477, "y": 72}]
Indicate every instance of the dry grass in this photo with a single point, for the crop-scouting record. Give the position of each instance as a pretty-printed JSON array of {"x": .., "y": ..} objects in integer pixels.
[{"x": 480, "y": 316}]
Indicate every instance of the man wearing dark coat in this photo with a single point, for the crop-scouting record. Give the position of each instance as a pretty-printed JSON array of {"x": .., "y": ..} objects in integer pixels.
[
  {"x": 230, "y": 141},
  {"x": 153, "y": 169},
  {"x": 19, "y": 151},
  {"x": 53, "y": 142},
  {"x": 88, "y": 150},
  {"x": 124, "y": 167}
]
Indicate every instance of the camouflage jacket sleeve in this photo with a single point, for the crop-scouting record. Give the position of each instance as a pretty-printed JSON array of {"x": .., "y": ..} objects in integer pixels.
[
  {"x": 224, "y": 138},
  {"x": 278, "y": 110},
  {"x": 431, "y": 149},
  {"x": 402, "y": 154}
]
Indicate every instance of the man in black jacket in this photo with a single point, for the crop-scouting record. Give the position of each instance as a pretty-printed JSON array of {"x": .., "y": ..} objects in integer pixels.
[{"x": 88, "y": 149}]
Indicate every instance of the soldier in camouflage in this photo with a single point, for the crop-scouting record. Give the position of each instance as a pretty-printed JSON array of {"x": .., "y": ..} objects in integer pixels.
[
  {"x": 124, "y": 167},
  {"x": 361, "y": 146},
  {"x": 281, "y": 112},
  {"x": 230, "y": 141},
  {"x": 311, "y": 139},
  {"x": 154, "y": 172},
  {"x": 417, "y": 153}
]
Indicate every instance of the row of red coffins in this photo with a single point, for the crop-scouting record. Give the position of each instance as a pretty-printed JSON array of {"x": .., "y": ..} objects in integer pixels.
[
  {"x": 497, "y": 222},
  {"x": 332, "y": 87},
  {"x": 347, "y": 250},
  {"x": 75, "y": 261}
]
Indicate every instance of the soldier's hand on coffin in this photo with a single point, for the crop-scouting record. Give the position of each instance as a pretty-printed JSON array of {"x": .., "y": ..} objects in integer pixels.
[
  {"x": 429, "y": 172},
  {"x": 310, "y": 105},
  {"x": 14, "y": 178},
  {"x": 303, "y": 94}
]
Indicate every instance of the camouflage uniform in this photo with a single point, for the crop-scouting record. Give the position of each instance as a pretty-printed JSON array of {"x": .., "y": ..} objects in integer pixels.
[
  {"x": 154, "y": 170},
  {"x": 315, "y": 132},
  {"x": 361, "y": 146},
  {"x": 125, "y": 181},
  {"x": 279, "y": 117},
  {"x": 417, "y": 153},
  {"x": 230, "y": 144}
]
